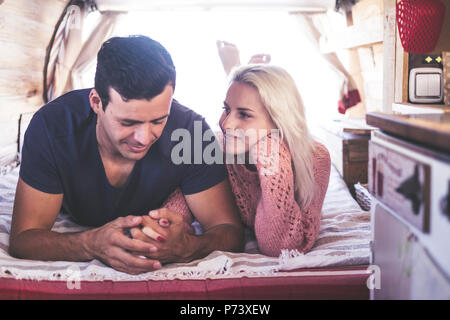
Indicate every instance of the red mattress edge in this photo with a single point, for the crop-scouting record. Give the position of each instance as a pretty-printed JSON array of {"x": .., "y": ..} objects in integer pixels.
[{"x": 347, "y": 285}]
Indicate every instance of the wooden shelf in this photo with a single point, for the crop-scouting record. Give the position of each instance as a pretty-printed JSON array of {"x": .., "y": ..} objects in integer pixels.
[{"x": 366, "y": 33}]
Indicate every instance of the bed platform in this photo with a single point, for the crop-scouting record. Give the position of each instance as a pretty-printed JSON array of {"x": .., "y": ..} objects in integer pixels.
[
  {"x": 317, "y": 284},
  {"x": 336, "y": 268}
]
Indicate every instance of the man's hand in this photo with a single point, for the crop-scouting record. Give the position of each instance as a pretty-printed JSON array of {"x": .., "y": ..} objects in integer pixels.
[
  {"x": 110, "y": 245},
  {"x": 165, "y": 230},
  {"x": 215, "y": 209}
]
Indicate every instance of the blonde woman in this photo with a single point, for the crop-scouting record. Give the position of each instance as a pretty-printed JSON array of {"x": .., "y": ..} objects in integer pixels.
[{"x": 281, "y": 187}]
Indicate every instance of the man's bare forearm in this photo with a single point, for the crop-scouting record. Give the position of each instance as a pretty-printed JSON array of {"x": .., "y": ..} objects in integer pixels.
[
  {"x": 38, "y": 244},
  {"x": 224, "y": 237}
]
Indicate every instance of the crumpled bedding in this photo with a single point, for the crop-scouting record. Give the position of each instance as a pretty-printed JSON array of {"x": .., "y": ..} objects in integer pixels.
[{"x": 344, "y": 240}]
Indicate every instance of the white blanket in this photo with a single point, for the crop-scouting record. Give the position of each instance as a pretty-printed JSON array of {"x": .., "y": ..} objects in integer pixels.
[{"x": 343, "y": 241}]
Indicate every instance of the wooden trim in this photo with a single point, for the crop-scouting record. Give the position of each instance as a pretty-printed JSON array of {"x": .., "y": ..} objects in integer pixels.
[
  {"x": 365, "y": 34},
  {"x": 416, "y": 131},
  {"x": 389, "y": 43},
  {"x": 411, "y": 146},
  {"x": 405, "y": 77},
  {"x": 401, "y": 72}
]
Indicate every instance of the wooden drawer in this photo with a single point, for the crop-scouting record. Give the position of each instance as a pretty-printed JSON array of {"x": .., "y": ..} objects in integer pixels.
[{"x": 401, "y": 183}]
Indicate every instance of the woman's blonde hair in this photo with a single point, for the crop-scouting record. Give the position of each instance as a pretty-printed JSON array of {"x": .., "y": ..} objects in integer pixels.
[{"x": 284, "y": 104}]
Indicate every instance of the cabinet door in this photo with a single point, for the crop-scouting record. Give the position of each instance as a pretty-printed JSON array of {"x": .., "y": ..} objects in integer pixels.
[
  {"x": 407, "y": 270},
  {"x": 402, "y": 183},
  {"x": 440, "y": 209}
]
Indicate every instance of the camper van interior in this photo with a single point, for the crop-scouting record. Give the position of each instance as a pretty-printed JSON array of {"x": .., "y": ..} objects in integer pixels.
[{"x": 374, "y": 81}]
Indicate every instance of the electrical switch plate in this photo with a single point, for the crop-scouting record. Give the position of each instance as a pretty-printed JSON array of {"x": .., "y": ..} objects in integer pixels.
[{"x": 426, "y": 85}]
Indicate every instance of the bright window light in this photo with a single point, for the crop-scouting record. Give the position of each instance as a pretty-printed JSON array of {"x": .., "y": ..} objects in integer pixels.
[{"x": 190, "y": 37}]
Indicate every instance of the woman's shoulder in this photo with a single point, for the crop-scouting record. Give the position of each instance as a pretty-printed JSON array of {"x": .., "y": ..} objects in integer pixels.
[
  {"x": 320, "y": 150},
  {"x": 321, "y": 156}
]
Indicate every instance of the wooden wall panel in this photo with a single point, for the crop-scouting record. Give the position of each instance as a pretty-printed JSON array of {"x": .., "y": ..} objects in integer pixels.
[
  {"x": 17, "y": 82},
  {"x": 371, "y": 61},
  {"x": 24, "y": 31},
  {"x": 34, "y": 10},
  {"x": 354, "y": 68},
  {"x": 26, "y": 27},
  {"x": 16, "y": 56},
  {"x": 366, "y": 59}
]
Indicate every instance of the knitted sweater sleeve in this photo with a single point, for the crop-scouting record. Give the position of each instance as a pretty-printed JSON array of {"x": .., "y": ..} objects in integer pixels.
[
  {"x": 280, "y": 223},
  {"x": 177, "y": 203}
]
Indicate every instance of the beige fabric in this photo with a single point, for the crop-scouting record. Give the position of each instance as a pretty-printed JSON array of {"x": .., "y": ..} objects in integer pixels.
[
  {"x": 88, "y": 54},
  {"x": 65, "y": 50},
  {"x": 70, "y": 57}
]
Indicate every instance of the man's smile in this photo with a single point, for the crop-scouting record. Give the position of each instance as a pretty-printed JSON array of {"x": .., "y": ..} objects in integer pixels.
[{"x": 136, "y": 148}]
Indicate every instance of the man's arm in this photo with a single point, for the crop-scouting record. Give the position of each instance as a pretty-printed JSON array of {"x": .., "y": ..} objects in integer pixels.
[
  {"x": 215, "y": 209},
  {"x": 31, "y": 237}
]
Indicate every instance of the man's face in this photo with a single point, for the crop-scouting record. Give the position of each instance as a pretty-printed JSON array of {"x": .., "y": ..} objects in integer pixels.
[{"x": 126, "y": 130}]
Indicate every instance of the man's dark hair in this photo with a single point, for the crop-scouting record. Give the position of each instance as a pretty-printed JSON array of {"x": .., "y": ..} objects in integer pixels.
[{"x": 137, "y": 67}]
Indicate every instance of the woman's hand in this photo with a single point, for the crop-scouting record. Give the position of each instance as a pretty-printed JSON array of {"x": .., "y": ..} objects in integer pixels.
[
  {"x": 266, "y": 152},
  {"x": 165, "y": 229},
  {"x": 147, "y": 229}
]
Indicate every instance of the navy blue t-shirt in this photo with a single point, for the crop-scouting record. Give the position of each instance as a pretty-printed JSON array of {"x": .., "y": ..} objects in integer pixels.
[{"x": 60, "y": 155}]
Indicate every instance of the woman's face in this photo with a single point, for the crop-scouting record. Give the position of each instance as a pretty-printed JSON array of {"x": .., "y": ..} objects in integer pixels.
[{"x": 245, "y": 120}]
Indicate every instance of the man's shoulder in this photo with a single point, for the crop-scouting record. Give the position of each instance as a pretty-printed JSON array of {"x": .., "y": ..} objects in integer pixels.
[
  {"x": 183, "y": 117},
  {"x": 63, "y": 115}
]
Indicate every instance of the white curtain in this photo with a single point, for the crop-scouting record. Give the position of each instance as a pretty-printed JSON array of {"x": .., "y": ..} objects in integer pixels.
[
  {"x": 69, "y": 56},
  {"x": 88, "y": 53}
]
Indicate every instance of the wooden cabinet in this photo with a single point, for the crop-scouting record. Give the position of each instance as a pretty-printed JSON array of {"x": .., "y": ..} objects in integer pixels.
[
  {"x": 409, "y": 180},
  {"x": 347, "y": 143}
]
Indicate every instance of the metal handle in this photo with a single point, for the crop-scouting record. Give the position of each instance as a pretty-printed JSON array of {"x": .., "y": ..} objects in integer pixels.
[{"x": 412, "y": 190}]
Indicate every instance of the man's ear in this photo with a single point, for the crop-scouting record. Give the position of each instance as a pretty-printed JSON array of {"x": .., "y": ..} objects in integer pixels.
[{"x": 95, "y": 101}]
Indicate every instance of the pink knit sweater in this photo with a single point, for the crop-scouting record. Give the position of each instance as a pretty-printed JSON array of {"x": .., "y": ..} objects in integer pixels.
[{"x": 266, "y": 201}]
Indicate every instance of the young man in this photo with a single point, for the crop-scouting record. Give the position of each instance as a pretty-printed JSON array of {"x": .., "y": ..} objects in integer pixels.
[{"x": 103, "y": 155}]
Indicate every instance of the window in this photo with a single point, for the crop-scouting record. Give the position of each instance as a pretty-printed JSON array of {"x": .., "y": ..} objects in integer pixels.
[{"x": 190, "y": 36}]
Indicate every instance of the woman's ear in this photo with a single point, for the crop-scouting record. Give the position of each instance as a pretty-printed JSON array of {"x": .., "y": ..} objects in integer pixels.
[{"x": 95, "y": 101}]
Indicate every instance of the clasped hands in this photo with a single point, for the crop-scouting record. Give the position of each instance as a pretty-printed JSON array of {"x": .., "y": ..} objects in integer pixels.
[
  {"x": 164, "y": 230},
  {"x": 157, "y": 238}
]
